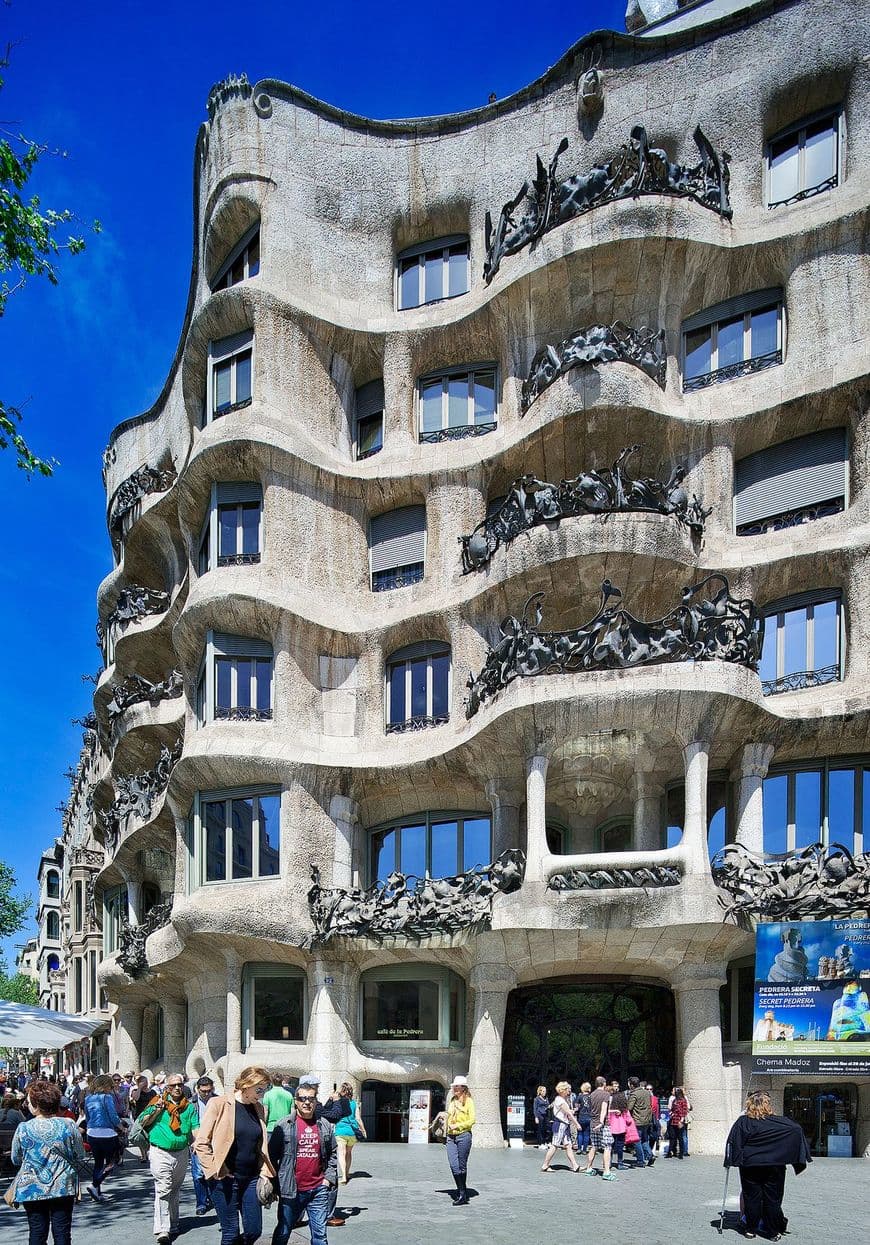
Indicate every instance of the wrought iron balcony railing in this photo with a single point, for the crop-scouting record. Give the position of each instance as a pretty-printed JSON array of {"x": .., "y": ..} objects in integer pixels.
[
  {"x": 828, "y": 184},
  {"x": 419, "y": 723},
  {"x": 793, "y": 518},
  {"x": 799, "y": 679},
  {"x": 241, "y": 713},
  {"x": 745, "y": 367},
  {"x": 238, "y": 559},
  {"x": 397, "y": 577},
  {"x": 458, "y": 433}
]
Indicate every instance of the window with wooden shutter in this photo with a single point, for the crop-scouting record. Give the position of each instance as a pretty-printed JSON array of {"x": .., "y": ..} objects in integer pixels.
[
  {"x": 397, "y": 548},
  {"x": 369, "y": 438},
  {"x": 791, "y": 483}
]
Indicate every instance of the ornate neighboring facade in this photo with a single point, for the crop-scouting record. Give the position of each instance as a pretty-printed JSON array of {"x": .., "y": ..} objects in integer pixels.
[{"x": 362, "y": 812}]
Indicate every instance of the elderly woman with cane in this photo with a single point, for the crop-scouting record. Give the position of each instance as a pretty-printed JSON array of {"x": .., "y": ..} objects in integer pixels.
[{"x": 761, "y": 1145}]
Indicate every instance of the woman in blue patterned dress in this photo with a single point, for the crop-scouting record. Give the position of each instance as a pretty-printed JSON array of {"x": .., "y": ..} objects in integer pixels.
[{"x": 49, "y": 1154}]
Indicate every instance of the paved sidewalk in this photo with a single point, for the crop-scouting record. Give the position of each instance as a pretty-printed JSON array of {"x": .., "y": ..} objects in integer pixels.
[{"x": 398, "y": 1195}]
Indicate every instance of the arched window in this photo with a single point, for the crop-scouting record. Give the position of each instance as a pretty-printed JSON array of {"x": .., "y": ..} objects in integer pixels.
[
  {"x": 52, "y": 926},
  {"x": 615, "y": 835},
  {"x": 432, "y": 271},
  {"x": 52, "y": 884},
  {"x": 418, "y": 686},
  {"x": 53, "y": 963},
  {"x": 397, "y": 548},
  {"x": 243, "y": 261}
]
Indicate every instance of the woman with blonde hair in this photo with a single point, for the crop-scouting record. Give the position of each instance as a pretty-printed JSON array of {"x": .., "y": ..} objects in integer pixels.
[
  {"x": 460, "y": 1118},
  {"x": 348, "y": 1131},
  {"x": 760, "y": 1145},
  {"x": 232, "y": 1148},
  {"x": 563, "y": 1118}
]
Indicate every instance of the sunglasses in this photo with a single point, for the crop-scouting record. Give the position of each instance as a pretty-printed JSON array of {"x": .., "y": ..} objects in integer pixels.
[{"x": 305, "y": 1098}]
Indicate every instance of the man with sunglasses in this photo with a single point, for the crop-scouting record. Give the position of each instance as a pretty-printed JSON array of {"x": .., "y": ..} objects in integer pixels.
[
  {"x": 304, "y": 1152},
  {"x": 170, "y": 1122}
]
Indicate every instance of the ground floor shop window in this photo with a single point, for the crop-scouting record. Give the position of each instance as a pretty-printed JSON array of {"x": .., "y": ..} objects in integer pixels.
[
  {"x": 414, "y": 1004},
  {"x": 274, "y": 1004},
  {"x": 827, "y": 1114},
  {"x": 385, "y": 1107}
]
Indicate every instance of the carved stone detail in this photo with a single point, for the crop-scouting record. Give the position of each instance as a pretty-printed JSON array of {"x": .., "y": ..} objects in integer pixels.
[
  {"x": 135, "y": 795},
  {"x": 637, "y": 169},
  {"x": 600, "y": 343},
  {"x": 815, "y": 883},
  {"x": 234, "y": 86},
  {"x": 142, "y": 482},
  {"x": 615, "y": 879},
  {"x": 720, "y": 628},
  {"x": 135, "y": 689},
  {"x": 132, "y": 939},
  {"x": 430, "y": 906},
  {"x": 531, "y": 502}
]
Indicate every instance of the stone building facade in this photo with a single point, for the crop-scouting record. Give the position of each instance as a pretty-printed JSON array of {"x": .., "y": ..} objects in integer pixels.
[{"x": 378, "y": 359}]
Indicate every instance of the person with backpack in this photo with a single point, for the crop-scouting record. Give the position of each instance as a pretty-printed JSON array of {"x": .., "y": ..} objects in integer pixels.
[
  {"x": 334, "y": 1109},
  {"x": 105, "y": 1129},
  {"x": 303, "y": 1152},
  {"x": 170, "y": 1123}
]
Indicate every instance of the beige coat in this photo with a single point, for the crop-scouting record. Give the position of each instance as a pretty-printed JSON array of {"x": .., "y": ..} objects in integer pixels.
[{"x": 216, "y": 1134}]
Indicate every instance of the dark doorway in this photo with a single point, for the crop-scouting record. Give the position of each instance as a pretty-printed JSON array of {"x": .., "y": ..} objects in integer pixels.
[
  {"x": 385, "y": 1107},
  {"x": 574, "y": 1029}
]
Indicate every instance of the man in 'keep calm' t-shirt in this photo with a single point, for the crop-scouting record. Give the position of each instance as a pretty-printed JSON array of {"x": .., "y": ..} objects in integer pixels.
[{"x": 304, "y": 1152}]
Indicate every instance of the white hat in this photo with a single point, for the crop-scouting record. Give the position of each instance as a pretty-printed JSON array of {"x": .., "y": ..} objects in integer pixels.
[{"x": 459, "y": 1082}]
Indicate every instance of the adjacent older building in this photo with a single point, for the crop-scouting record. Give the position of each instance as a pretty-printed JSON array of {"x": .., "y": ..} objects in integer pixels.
[
  {"x": 493, "y": 556},
  {"x": 49, "y": 973}
]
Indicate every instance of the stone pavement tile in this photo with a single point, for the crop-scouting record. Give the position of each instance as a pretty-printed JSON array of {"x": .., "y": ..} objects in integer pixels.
[{"x": 399, "y": 1195}]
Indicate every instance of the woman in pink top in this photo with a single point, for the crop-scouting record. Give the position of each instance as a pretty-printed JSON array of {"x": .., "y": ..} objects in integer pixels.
[{"x": 618, "y": 1118}]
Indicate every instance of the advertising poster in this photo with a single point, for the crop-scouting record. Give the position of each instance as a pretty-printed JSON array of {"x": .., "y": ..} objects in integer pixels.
[
  {"x": 516, "y": 1119},
  {"x": 418, "y": 1117},
  {"x": 812, "y": 998}
]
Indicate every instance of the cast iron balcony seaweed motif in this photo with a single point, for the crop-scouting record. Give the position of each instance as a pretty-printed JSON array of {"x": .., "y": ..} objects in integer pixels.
[
  {"x": 395, "y": 908},
  {"x": 637, "y": 169},
  {"x": 133, "y": 603},
  {"x": 792, "y": 518},
  {"x": 815, "y": 883},
  {"x": 614, "y": 879},
  {"x": 745, "y": 367},
  {"x": 241, "y": 713},
  {"x": 135, "y": 690},
  {"x": 128, "y": 494},
  {"x": 828, "y": 184},
  {"x": 397, "y": 577},
  {"x": 719, "y": 627},
  {"x": 531, "y": 502},
  {"x": 799, "y": 679},
  {"x": 132, "y": 939},
  {"x": 459, "y": 433},
  {"x": 600, "y": 343},
  {"x": 135, "y": 795},
  {"x": 420, "y": 723}
]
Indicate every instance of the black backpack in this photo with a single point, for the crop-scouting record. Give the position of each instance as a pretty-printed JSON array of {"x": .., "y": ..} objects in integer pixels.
[{"x": 336, "y": 1110}]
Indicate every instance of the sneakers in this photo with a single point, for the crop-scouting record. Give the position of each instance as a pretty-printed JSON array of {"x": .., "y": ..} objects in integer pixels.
[
  {"x": 164, "y": 1239},
  {"x": 608, "y": 1176},
  {"x": 95, "y": 1194},
  {"x": 590, "y": 1171}
]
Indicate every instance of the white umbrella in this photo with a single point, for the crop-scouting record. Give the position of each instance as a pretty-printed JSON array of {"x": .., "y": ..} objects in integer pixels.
[{"x": 37, "y": 1028}]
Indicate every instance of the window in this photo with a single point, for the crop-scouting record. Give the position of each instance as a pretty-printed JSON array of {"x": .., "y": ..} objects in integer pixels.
[
  {"x": 824, "y": 801},
  {"x": 114, "y": 917},
  {"x": 418, "y": 687},
  {"x": 433, "y": 271},
  {"x": 232, "y": 534},
  {"x": 369, "y": 438},
  {"x": 52, "y": 884},
  {"x": 93, "y": 1001},
  {"x": 236, "y": 836},
  {"x": 244, "y": 262},
  {"x": 230, "y": 374},
  {"x": 53, "y": 963},
  {"x": 802, "y": 646},
  {"x": 557, "y": 839},
  {"x": 717, "y": 813},
  {"x": 77, "y": 985},
  {"x": 737, "y": 1002},
  {"x": 458, "y": 402},
  {"x": 413, "y": 1003},
  {"x": 78, "y": 907},
  {"x": 791, "y": 483},
  {"x": 274, "y": 1003},
  {"x": 615, "y": 835},
  {"x": 397, "y": 548},
  {"x": 804, "y": 160},
  {"x": 437, "y": 845},
  {"x": 734, "y": 338},
  {"x": 52, "y": 927},
  {"x": 235, "y": 680}
]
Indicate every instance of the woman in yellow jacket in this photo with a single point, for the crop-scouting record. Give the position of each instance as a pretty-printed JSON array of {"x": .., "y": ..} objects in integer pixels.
[{"x": 460, "y": 1121}]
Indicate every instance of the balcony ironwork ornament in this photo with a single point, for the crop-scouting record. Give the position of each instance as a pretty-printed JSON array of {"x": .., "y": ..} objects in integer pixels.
[
  {"x": 406, "y": 906},
  {"x": 792, "y": 518},
  {"x": 637, "y": 169},
  {"x": 699, "y": 629},
  {"x": 131, "y": 491},
  {"x": 135, "y": 795},
  {"x": 612, "y": 490},
  {"x": 600, "y": 343},
  {"x": 817, "y": 882},
  {"x": 133, "y": 604},
  {"x": 136, "y": 689},
  {"x": 132, "y": 939},
  {"x": 615, "y": 879},
  {"x": 800, "y": 679}
]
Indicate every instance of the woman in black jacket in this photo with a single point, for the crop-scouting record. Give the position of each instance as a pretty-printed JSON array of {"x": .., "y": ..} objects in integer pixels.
[{"x": 761, "y": 1145}]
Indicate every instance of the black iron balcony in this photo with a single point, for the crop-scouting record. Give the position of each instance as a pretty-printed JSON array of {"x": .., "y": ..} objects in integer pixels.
[
  {"x": 745, "y": 367},
  {"x": 459, "y": 433},
  {"x": 799, "y": 679},
  {"x": 420, "y": 723},
  {"x": 238, "y": 559},
  {"x": 242, "y": 713},
  {"x": 397, "y": 577},
  {"x": 793, "y": 518},
  {"x": 828, "y": 184}
]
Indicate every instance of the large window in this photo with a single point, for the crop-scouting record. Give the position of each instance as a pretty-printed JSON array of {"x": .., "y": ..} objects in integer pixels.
[
  {"x": 817, "y": 802},
  {"x": 244, "y": 261},
  {"x": 804, "y": 160},
  {"x": 734, "y": 338},
  {"x": 802, "y": 643},
  {"x": 418, "y": 686},
  {"x": 230, "y": 374},
  {"x": 235, "y": 680},
  {"x": 236, "y": 836},
  {"x": 415, "y": 1003},
  {"x": 52, "y": 884},
  {"x": 78, "y": 906},
  {"x": 274, "y": 1003},
  {"x": 114, "y": 918},
  {"x": 369, "y": 438},
  {"x": 791, "y": 483},
  {"x": 52, "y": 927},
  {"x": 737, "y": 1002},
  {"x": 438, "y": 844},
  {"x": 232, "y": 534},
  {"x": 458, "y": 402},
  {"x": 433, "y": 271},
  {"x": 397, "y": 548}
]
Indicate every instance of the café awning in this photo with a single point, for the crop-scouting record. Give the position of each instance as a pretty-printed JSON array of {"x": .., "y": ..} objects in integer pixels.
[{"x": 37, "y": 1028}]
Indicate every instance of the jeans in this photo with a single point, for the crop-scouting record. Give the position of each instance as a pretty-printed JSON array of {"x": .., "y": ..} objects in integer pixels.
[
  {"x": 618, "y": 1147},
  {"x": 200, "y": 1188},
  {"x": 104, "y": 1151},
  {"x": 685, "y": 1138},
  {"x": 232, "y": 1197},
  {"x": 642, "y": 1147},
  {"x": 763, "y": 1188},
  {"x": 457, "y": 1153},
  {"x": 316, "y": 1202},
  {"x": 584, "y": 1129},
  {"x": 54, "y": 1212}
]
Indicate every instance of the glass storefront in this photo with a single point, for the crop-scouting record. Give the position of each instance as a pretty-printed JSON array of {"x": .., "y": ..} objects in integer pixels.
[
  {"x": 385, "y": 1108},
  {"x": 827, "y": 1114}
]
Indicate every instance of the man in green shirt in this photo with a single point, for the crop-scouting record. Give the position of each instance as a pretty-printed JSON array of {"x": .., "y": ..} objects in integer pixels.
[
  {"x": 278, "y": 1103},
  {"x": 171, "y": 1122}
]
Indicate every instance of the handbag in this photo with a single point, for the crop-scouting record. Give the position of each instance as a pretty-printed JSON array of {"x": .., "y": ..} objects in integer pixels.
[
  {"x": 265, "y": 1190},
  {"x": 9, "y": 1194},
  {"x": 357, "y": 1129},
  {"x": 438, "y": 1127}
]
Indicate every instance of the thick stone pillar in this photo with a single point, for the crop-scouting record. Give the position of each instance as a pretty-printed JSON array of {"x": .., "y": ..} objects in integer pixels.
[
  {"x": 505, "y": 799},
  {"x": 699, "y": 1054},
  {"x": 695, "y": 760},
  {"x": 345, "y": 813},
  {"x": 126, "y": 1038},
  {"x": 748, "y": 776},
  {"x": 647, "y": 829},
  {"x": 536, "y": 816},
  {"x": 174, "y": 1035},
  {"x": 331, "y": 988},
  {"x": 492, "y": 983},
  {"x": 149, "y": 1049},
  {"x": 234, "y": 1003}
]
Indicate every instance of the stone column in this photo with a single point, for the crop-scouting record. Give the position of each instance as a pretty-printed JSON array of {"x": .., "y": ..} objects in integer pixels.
[
  {"x": 174, "y": 1035},
  {"x": 699, "y": 1054},
  {"x": 647, "y": 830},
  {"x": 492, "y": 983},
  {"x": 505, "y": 800},
  {"x": 134, "y": 901},
  {"x": 536, "y": 816},
  {"x": 748, "y": 775},
  {"x": 234, "y": 1004},
  {"x": 345, "y": 813},
  {"x": 126, "y": 1038},
  {"x": 148, "y": 1048},
  {"x": 695, "y": 760},
  {"x": 332, "y": 990}
]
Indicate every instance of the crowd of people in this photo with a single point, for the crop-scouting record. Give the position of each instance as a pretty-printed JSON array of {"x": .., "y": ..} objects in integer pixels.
[{"x": 264, "y": 1142}]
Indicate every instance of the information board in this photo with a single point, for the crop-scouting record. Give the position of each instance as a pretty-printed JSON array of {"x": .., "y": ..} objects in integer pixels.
[{"x": 418, "y": 1116}]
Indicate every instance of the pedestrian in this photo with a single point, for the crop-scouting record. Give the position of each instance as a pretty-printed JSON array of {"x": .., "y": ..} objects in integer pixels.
[
  {"x": 460, "y": 1120},
  {"x": 50, "y": 1157},
  {"x": 105, "y": 1131},
  {"x": 231, "y": 1146},
  {"x": 600, "y": 1137},
  {"x": 334, "y": 1109},
  {"x": 203, "y": 1092},
  {"x": 676, "y": 1121},
  {"x": 617, "y": 1119},
  {"x": 541, "y": 1110},
  {"x": 641, "y": 1108},
  {"x": 583, "y": 1112},
  {"x": 563, "y": 1117},
  {"x": 348, "y": 1131},
  {"x": 303, "y": 1151},
  {"x": 170, "y": 1121},
  {"x": 760, "y": 1145},
  {"x": 277, "y": 1102},
  {"x": 656, "y": 1128}
]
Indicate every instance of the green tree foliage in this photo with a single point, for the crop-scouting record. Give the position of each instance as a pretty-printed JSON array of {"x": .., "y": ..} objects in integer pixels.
[
  {"x": 13, "y": 909},
  {"x": 18, "y": 988},
  {"x": 31, "y": 240}
]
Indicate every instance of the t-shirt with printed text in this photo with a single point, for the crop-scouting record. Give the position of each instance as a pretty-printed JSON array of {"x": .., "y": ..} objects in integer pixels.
[{"x": 309, "y": 1169}]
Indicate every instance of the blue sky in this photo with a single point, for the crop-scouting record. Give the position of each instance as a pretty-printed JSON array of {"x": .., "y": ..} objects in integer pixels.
[{"x": 122, "y": 88}]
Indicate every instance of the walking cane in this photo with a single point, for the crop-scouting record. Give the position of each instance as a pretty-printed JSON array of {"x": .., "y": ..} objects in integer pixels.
[{"x": 724, "y": 1200}]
